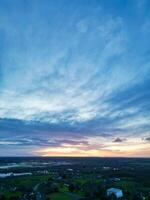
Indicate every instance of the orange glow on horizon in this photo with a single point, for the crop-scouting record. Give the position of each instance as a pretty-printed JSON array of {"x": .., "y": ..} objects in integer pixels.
[
  {"x": 75, "y": 152},
  {"x": 99, "y": 147}
]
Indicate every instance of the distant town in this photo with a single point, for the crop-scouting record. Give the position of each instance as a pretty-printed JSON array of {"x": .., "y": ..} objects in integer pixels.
[{"x": 74, "y": 178}]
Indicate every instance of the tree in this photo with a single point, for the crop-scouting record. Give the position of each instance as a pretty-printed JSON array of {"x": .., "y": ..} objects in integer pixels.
[
  {"x": 72, "y": 187},
  {"x": 13, "y": 198},
  {"x": 2, "y": 197}
]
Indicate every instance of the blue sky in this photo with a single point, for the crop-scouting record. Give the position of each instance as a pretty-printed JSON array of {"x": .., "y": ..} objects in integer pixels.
[{"x": 75, "y": 78}]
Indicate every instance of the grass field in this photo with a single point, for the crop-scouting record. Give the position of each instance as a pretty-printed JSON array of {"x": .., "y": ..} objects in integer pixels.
[
  {"x": 26, "y": 181},
  {"x": 9, "y": 194},
  {"x": 59, "y": 196}
]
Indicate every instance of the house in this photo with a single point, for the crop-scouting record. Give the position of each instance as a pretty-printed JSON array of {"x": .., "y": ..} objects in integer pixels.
[
  {"x": 70, "y": 169},
  {"x": 114, "y": 191},
  {"x": 114, "y": 179}
]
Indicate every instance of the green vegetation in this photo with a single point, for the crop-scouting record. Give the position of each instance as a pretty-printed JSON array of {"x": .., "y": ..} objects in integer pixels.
[
  {"x": 80, "y": 179},
  {"x": 59, "y": 196},
  {"x": 9, "y": 194}
]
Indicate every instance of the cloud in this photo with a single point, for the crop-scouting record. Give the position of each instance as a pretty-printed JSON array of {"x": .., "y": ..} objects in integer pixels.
[
  {"x": 30, "y": 141},
  {"x": 147, "y": 139},
  {"x": 43, "y": 89},
  {"x": 80, "y": 71},
  {"x": 118, "y": 140}
]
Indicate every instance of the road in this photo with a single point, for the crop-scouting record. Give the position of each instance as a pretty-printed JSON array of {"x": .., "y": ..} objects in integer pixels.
[{"x": 39, "y": 195}]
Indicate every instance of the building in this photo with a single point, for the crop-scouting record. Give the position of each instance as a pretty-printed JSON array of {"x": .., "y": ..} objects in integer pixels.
[{"x": 114, "y": 191}]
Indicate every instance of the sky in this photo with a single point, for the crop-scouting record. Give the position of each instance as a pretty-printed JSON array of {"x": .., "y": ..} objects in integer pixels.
[{"x": 75, "y": 78}]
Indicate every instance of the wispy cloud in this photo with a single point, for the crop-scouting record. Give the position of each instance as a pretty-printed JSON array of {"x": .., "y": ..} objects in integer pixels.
[{"x": 70, "y": 70}]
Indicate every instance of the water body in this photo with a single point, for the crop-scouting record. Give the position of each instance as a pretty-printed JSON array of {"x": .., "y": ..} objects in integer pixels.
[{"x": 11, "y": 174}]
